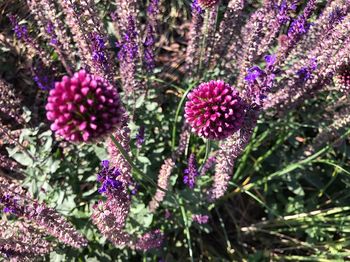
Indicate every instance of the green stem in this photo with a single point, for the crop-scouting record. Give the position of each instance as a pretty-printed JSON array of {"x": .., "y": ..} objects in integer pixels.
[
  {"x": 152, "y": 78},
  {"x": 207, "y": 152},
  {"x": 137, "y": 170},
  {"x": 187, "y": 230},
  {"x": 222, "y": 224},
  {"x": 173, "y": 141},
  {"x": 244, "y": 159},
  {"x": 133, "y": 166}
]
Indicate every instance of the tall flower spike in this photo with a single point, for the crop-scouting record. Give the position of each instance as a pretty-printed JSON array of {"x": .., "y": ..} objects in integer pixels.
[
  {"x": 163, "y": 182},
  {"x": 20, "y": 241},
  {"x": 230, "y": 150},
  {"x": 22, "y": 34},
  {"x": 83, "y": 107},
  {"x": 332, "y": 53},
  {"x": 191, "y": 172},
  {"x": 208, "y": 164},
  {"x": 129, "y": 55},
  {"x": 209, "y": 31},
  {"x": 10, "y": 105},
  {"x": 331, "y": 133},
  {"x": 183, "y": 142},
  {"x": 122, "y": 135},
  {"x": 110, "y": 215},
  {"x": 46, "y": 16},
  {"x": 297, "y": 29},
  {"x": 15, "y": 200},
  {"x": 87, "y": 30},
  {"x": 214, "y": 110},
  {"x": 150, "y": 240},
  {"x": 151, "y": 29},
  {"x": 229, "y": 25},
  {"x": 195, "y": 36}
]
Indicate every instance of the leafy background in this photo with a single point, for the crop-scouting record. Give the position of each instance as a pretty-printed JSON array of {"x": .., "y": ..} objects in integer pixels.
[{"x": 281, "y": 204}]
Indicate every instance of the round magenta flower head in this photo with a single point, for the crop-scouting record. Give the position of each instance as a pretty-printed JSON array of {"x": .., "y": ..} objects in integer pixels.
[
  {"x": 343, "y": 79},
  {"x": 207, "y": 3},
  {"x": 83, "y": 107},
  {"x": 214, "y": 110}
]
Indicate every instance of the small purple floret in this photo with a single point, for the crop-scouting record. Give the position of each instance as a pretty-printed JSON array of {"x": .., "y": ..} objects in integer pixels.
[
  {"x": 191, "y": 172},
  {"x": 140, "y": 137},
  {"x": 108, "y": 178}
]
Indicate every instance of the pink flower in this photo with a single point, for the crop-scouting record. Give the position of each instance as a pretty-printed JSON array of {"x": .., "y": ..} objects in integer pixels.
[
  {"x": 163, "y": 182},
  {"x": 214, "y": 110},
  {"x": 207, "y": 3},
  {"x": 343, "y": 79},
  {"x": 150, "y": 240},
  {"x": 200, "y": 219},
  {"x": 83, "y": 107}
]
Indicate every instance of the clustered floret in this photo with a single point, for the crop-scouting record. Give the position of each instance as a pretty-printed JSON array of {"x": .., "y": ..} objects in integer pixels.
[
  {"x": 83, "y": 107},
  {"x": 214, "y": 110}
]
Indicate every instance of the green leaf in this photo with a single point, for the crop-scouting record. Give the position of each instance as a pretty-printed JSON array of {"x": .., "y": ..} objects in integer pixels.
[
  {"x": 144, "y": 160},
  {"x": 23, "y": 159}
]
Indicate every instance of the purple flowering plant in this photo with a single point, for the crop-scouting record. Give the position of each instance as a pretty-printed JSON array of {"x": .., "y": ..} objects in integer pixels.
[{"x": 199, "y": 130}]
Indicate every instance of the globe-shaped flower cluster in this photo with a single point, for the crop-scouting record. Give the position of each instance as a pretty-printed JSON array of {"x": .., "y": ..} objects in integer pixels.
[
  {"x": 83, "y": 107},
  {"x": 214, "y": 110},
  {"x": 207, "y": 3}
]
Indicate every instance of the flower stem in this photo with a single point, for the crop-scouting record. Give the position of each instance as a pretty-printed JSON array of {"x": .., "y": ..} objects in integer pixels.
[
  {"x": 131, "y": 163},
  {"x": 187, "y": 230},
  {"x": 136, "y": 169},
  {"x": 173, "y": 141},
  {"x": 207, "y": 152}
]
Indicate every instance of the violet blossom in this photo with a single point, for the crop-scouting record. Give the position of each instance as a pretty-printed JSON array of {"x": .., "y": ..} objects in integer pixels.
[{"x": 191, "y": 172}]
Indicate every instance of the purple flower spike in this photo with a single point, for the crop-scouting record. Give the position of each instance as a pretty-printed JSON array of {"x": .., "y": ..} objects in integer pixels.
[
  {"x": 254, "y": 73},
  {"x": 108, "y": 179},
  {"x": 150, "y": 240},
  {"x": 196, "y": 7},
  {"x": 21, "y": 31},
  {"x": 10, "y": 204},
  {"x": 43, "y": 77},
  {"x": 83, "y": 107},
  {"x": 270, "y": 60},
  {"x": 128, "y": 47},
  {"x": 140, "y": 137},
  {"x": 99, "y": 55},
  {"x": 283, "y": 10},
  {"x": 337, "y": 16},
  {"x": 191, "y": 172},
  {"x": 305, "y": 73},
  {"x": 214, "y": 110}
]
